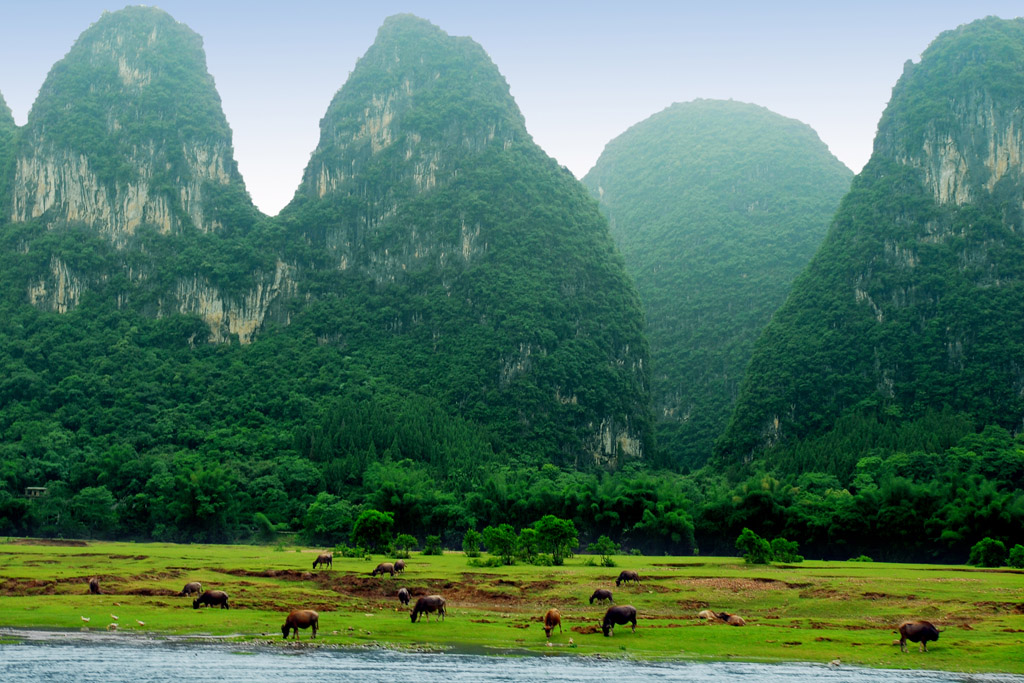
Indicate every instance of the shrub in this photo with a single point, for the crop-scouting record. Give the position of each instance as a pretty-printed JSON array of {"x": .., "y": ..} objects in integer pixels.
[
  {"x": 988, "y": 552},
  {"x": 471, "y": 543},
  {"x": 861, "y": 558},
  {"x": 755, "y": 549},
  {"x": 785, "y": 551},
  {"x": 403, "y": 544},
  {"x": 432, "y": 546},
  {"x": 604, "y": 547},
  {"x": 1016, "y": 557},
  {"x": 489, "y": 562}
]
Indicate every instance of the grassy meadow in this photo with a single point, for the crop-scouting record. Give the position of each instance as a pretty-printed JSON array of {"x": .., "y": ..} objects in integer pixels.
[{"x": 812, "y": 612}]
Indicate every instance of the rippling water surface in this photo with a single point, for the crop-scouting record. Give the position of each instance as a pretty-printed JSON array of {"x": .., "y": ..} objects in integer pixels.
[{"x": 158, "y": 660}]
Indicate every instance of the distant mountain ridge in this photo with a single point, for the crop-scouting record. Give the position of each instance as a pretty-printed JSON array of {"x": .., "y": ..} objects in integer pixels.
[
  {"x": 913, "y": 305},
  {"x": 717, "y": 206}
]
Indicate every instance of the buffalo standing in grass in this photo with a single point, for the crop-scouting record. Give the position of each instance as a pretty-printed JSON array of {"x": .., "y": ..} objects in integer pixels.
[
  {"x": 300, "y": 618},
  {"x": 193, "y": 587},
  {"x": 917, "y": 632},
  {"x": 403, "y": 596},
  {"x": 627, "y": 575},
  {"x": 552, "y": 619},
  {"x": 324, "y": 559},
  {"x": 211, "y": 598},
  {"x": 94, "y": 586},
  {"x": 399, "y": 566},
  {"x": 600, "y": 595},
  {"x": 428, "y": 604},
  {"x": 620, "y": 614},
  {"x": 384, "y": 568}
]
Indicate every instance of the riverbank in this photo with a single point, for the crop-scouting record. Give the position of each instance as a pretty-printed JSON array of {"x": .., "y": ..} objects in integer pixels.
[{"x": 815, "y": 612}]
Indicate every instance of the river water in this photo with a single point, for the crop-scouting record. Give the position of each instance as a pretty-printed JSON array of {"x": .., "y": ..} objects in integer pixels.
[{"x": 159, "y": 660}]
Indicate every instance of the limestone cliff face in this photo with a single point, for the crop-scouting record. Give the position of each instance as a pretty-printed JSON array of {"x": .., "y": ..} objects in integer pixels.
[{"x": 128, "y": 131}]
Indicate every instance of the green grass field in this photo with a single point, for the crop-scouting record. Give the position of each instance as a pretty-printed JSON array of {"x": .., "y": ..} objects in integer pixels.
[{"x": 813, "y": 612}]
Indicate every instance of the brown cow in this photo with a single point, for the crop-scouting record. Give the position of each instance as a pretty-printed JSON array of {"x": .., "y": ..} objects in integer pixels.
[
  {"x": 384, "y": 568},
  {"x": 917, "y": 632},
  {"x": 552, "y": 619},
  {"x": 627, "y": 575},
  {"x": 322, "y": 559},
  {"x": 428, "y": 604},
  {"x": 300, "y": 618},
  {"x": 620, "y": 614},
  {"x": 94, "y": 586},
  {"x": 190, "y": 588},
  {"x": 601, "y": 594},
  {"x": 707, "y": 614},
  {"x": 403, "y": 596},
  {"x": 399, "y": 566},
  {"x": 211, "y": 598}
]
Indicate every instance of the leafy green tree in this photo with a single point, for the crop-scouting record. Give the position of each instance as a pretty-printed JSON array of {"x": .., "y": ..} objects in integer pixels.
[
  {"x": 528, "y": 544},
  {"x": 988, "y": 552},
  {"x": 372, "y": 530},
  {"x": 328, "y": 520},
  {"x": 1016, "y": 557},
  {"x": 471, "y": 541},
  {"x": 404, "y": 543},
  {"x": 604, "y": 547},
  {"x": 785, "y": 551},
  {"x": 501, "y": 541},
  {"x": 557, "y": 536},
  {"x": 93, "y": 508},
  {"x": 755, "y": 549},
  {"x": 432, "y": 545},
  {"x": 265, "y": 531}
]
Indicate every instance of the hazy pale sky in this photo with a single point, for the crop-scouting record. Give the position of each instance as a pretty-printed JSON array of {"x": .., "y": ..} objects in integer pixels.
[{"x": 581, "y": 72}]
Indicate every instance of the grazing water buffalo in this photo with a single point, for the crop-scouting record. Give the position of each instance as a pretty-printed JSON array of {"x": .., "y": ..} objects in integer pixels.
[
  {"x": 300, "y": 618},
  {"x": 190, "y": 588},
  {"x": 707, "y": 614},
  {"x": 917, "y": 632},
  {"x": 732, "y": 619},
  {"x": 620, "y": 614},
  {"x": 627, "y": 575},
  {"x": 552, "y": 619},
  {"x": 212, "y": 598},
  {"x": 601, "y": 594},
  {"x": 94, "y": 586},
  {"x": 322, "y": 559},
  {"x": 384, "y": 568},
  {"x": 399, "y": 566},
  {"x": 428, "y": 604},
  {"x": 403, "y": 596}
]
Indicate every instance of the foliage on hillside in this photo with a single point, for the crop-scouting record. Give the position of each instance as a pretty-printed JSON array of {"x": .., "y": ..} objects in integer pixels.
[
  {"x": 8, "y": 133},
  {"x": 717, "y": 206},
  {"x": 912, "y": 306}
]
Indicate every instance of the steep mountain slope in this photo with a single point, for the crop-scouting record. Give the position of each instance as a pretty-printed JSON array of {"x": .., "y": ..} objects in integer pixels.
[
  {"x": 460, "y": 261},
  {"x": 915, "y": 302},
  {"x": 126, "y": 150},
  {"x": 8, "y": 131},
  {"x": 717, "y": 206}
]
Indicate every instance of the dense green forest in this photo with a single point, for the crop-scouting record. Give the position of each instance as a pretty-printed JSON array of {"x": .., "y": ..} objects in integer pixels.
[
  {"x": 440, "y": 327},
  {"x": 716, "y": 206}
]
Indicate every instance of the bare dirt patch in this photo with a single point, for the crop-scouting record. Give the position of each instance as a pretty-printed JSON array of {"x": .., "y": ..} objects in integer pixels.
[
  {"x": 737, "y": 585},
  {"x": 1002, "y": 607},
  {"x": 586, "y": 630},
  {"x": 50, "y": 541},
  {"x": 696, "y": 605}
]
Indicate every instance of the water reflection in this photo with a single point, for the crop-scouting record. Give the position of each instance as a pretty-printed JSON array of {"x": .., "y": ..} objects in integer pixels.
[{"x": 158, "y": 660}]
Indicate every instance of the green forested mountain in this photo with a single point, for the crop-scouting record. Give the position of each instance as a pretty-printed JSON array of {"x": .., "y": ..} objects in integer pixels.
[
  {"x": 717, "y": 206},
  {"x": 8, "y": 131},
  {"x": 905, "y": 332},
  {"x": 459, "y": 261}
]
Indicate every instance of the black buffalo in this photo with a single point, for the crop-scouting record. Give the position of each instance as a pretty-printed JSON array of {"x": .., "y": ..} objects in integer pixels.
[
  {"x": 917, "y": 632},
  {"x": 428, "y": 604},
  {"x": 620, "y": 614},
  {"x": 212, "y": 598},
  {"x": 627, "y": 575},
  {"x": 601, "y": 594}
]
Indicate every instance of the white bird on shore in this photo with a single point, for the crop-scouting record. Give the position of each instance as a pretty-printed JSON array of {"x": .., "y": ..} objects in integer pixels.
[
  {"x": 85, "y": 618},
  {"x": 114, "y": 617},
  {"x": 140, "y": 623}
]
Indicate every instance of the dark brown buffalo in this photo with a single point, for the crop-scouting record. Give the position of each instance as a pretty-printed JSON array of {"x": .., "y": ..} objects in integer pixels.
[
  {"x": 620, "y": 614},
  {"x": 552, "y": 619},
  {"x": 627, "y": 575},
  {"x": 601, "y": 594},
  {"x": 190, "y": 588},
  {"x": 322, "y": 559},
  {"x": 917, "y": 632},
  {"x": 94, "y": 586},
  {"x": 428, "y": 604},
  {"x": 384, "y": 568},
  {"x": 399, "y": 566},
  {"x": 300, "y": 618},
  {"x": 731, "y": 619},
  {"x": 403, "y": 596},
  {"x": 212, "y": 598}
]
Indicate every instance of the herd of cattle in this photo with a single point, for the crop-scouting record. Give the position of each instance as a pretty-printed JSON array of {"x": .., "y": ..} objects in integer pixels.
[{"x": 921, "y": 632}]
